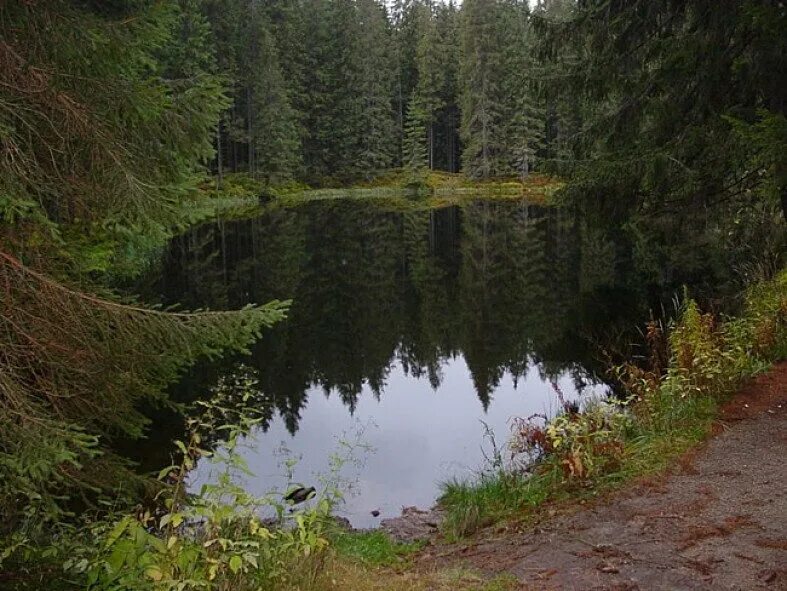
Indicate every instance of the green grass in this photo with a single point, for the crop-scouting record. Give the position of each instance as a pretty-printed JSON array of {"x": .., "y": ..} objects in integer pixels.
[
  {"x": 372, "y": 561},
  {"x": 436, "y": 189},
  {"x": 491, "y": 498},
  {"x": 374, "y": 548}
]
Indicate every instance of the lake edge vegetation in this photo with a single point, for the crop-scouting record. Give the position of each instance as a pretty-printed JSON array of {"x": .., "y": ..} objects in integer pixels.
[
  {"x": 669, "y": 404},
  {"x": 125, "y": 258}
]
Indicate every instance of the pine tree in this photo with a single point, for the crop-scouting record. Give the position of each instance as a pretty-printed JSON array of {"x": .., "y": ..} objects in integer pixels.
[
  {"x": 483, "y": 154},
  {"x": 415, "y": 148},
  {"x": 274, "y": 131},
  {"x": 430, "y": 73},
  {"x": 378, "y": 142}
]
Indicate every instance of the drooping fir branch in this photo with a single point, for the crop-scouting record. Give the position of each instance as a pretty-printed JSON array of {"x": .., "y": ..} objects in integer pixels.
[{"x": 73, "y": 363}]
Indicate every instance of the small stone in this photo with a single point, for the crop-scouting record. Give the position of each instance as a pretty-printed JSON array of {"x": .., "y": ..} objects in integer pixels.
[
  {"x": 375, "y": 513},
  {"x": 768, "y": 576},
  {"x": 608, "y": 568}
]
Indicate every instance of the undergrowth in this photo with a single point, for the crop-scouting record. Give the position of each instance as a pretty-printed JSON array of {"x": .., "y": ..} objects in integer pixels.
[
  {"x": 695, "y": 364},
  {"x": 219, "y": 538}
]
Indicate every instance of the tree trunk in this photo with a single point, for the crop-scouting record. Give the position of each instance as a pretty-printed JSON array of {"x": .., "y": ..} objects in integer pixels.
[
  {"x": 451, "y": 141},
  {"x": 223, "y": 251},
  {"x": 431, "y": 145},
  {"x": 249, "y": 132},
  {"x": 219, "y": 169}
]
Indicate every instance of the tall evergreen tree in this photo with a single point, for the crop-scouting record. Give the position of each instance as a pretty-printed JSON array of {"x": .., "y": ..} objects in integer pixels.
[
  {"x": 430, "y": 73},
  {"x": 287, "y": 24},
  {"x": 667, "y": 88},
  {"x": 524, "y": 118},
  {"x": 107, "y": 116},
  {"x": 415, "y": 150},
  {"x": 334, "y": 105},
  {"x": 405, "y": 40},
  {"x": 274, "y": 123},
  {"x": 483, "y": 154},
  {"x": 447, "y": 17},
  {"x": 376, "y": 83}
]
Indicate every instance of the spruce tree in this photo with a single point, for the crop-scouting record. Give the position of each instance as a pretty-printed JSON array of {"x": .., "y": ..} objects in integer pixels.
[
  {"x": 227, "y": 20},
  {"x": 378, "y": 142},
  {"x": 287, "y": 25},
  {"x": 449, "y": 149},
  {"x": 415, "y": 150},
  {"x": 524, "y": 118},
  {"x": 665, "y": 89},
  {"x": 274, "y": 130},
  {"x": 108, "y": 125},
  {"x": 430, "y": 73},
  {"x": 480, "y": 90},
  {"x": 333, "y": 117},
  {"x": 405, "y": 40}
]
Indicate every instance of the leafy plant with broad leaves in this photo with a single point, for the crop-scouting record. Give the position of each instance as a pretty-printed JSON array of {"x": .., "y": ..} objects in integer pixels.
[{"x": 216, "y": 539}]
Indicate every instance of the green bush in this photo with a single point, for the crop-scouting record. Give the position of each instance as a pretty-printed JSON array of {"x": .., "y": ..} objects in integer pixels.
[
  {"x": 215, "y": 539},
  {"x": 583, "y": 443}
]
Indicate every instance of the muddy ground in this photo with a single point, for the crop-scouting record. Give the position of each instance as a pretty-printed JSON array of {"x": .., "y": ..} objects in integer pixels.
[{"x": 717, "y": 522}]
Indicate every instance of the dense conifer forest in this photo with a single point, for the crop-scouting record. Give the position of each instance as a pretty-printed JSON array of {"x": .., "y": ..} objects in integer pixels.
[
  {"x": 665, "y": 120},
  {"x": 338, "y": 91}
]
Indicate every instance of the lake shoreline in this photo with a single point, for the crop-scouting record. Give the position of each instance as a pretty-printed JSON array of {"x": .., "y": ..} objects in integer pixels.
[
  {"x": 240, "y": 196},
  {"x": 708, "y": 494}
]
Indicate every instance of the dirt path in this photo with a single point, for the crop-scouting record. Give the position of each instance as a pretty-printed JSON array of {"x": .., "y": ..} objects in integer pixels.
[{"x": 717, "y": 523}]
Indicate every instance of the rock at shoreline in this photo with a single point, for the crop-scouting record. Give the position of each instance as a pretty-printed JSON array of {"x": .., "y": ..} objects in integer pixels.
[{"x": 414, "y": 524}]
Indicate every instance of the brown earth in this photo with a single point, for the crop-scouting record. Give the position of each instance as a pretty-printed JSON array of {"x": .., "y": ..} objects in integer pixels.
[{"x": 718, "y": 521}]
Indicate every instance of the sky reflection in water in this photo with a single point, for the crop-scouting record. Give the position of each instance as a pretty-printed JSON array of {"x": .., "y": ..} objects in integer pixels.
[
  {"x": 418, "y": 437},
  {"x": 417, "y": 323}
]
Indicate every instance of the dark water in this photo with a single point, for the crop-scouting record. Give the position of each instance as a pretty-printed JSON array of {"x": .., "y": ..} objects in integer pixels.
[{"x": 407, "y": 330}]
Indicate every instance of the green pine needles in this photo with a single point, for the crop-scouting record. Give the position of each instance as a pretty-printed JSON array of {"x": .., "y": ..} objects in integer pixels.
[
  {"x": 107, "y": 112},
  {"x": 74, "y": 369}
]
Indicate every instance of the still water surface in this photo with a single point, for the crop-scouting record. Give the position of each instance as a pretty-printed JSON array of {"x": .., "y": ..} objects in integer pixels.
[{"x": 408, "y": 329}]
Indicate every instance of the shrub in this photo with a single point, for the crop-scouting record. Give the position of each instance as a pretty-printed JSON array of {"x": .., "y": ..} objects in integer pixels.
[
  {"x": 583, "y": 443},
  {"x": 215, "y": 539}
]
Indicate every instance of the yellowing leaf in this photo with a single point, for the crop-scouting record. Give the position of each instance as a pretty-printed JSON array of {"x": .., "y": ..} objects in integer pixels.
[
  {"x": 154, "y": 572},
  {"x": 235, "y": 564}
]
